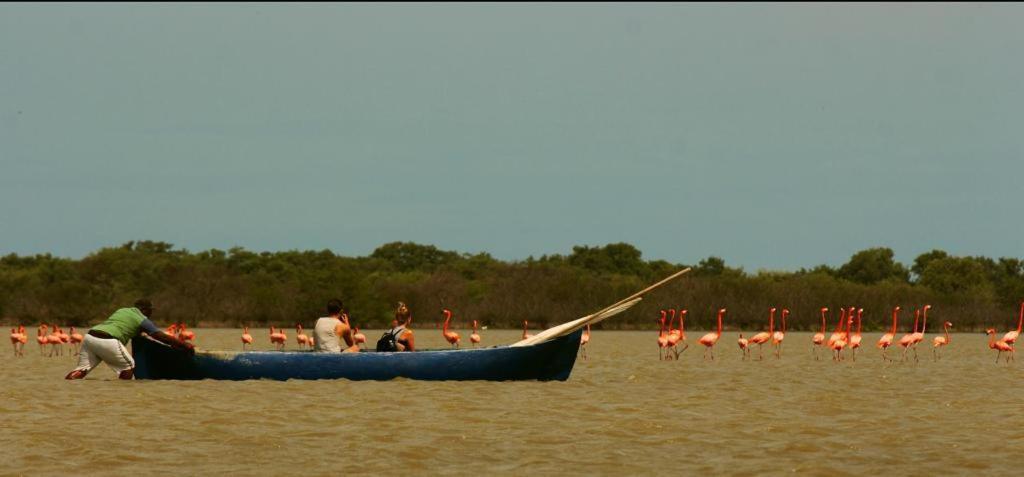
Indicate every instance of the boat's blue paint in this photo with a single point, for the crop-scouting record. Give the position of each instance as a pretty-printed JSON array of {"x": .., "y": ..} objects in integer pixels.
[{"x": 548, "y": 361}]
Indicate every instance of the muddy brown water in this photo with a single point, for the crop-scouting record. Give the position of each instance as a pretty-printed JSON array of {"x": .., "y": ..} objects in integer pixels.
[{"x": 622, "y": 411}]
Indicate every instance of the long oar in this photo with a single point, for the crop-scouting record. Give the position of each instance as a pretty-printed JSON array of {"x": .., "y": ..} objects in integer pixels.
[{"x": 606, "y": 312}]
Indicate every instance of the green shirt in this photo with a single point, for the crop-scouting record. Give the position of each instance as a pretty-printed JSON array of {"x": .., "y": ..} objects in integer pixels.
[{"x": 124, "y": 324}]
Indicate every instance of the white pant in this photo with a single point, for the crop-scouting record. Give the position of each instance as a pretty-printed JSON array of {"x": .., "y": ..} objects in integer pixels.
[{"x": 111, "y": 351}]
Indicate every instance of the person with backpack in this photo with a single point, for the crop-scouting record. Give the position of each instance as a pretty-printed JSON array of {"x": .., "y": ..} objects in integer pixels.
[{"x": 399, "y": 337}]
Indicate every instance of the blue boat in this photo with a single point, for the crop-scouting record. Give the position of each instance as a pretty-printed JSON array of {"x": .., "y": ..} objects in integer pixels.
[{"x": 549, "y": 361}]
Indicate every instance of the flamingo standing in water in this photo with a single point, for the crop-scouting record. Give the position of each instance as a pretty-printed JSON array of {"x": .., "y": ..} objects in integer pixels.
[
  {"x": 662, "y": 337},
  {"x": 908, "y": 339},
  {"x": 778, "y": 336},
  {"x": 55, "y": 341},
  {"x": 673, "y": 334},
  {"x": 819, "y": 338},
  {"x": 451, "y": 337},
  {"x": 744, "y": 346},
  {"x": 886, "y": 340},
  {"x": 999, "y": 345},
  {"x": 301, "y": 338},
  {"x": 584, "y": 339},
  {"x": 918, "y": 337},
  {"x": 841, "y": 342},
  {"x": 710, "y": 339},
  {"x": 682, "y": 332},
  {"x": 837, "y": 333},
  {"x": 15, "y": 340},
  {"x": 358, "y": 338},
  {"x": 278, "y": 338},
  {"x": 940, "y": 341},
  {"x": 762, "y": 337},
  {"x": 526, "y": 325},
  {"x": 185, "y": 334},
  {"x": 246, "y": 338},
  {"x": 1011, "y": 336},
  {"x": 76, "y": 340},
  {"x": 855, "y": 339},
  {"x": 23, "y": 340},
  {"x": 41, "y": 337},
  {"x": 474, "y": 338}
]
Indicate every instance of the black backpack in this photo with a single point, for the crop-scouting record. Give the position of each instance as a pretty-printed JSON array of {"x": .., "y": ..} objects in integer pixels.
[{"x": 389, "y": 341}]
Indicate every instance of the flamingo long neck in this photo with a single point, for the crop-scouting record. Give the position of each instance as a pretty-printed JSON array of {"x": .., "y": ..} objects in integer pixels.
[
  {"x": 924, "y": 321},
  {"x": 720, "y": 323},
  {"x": 672, "y": 318},
  {"x": 245, "y": 330},
  {"x": 917, "y": 314},
  {"x": 682, "y": 322},
  {"x": 842, "y": 320},
  {"x": 474, "y": 326},
  {"x": 661, "y": 331},
  {"x": 991, "y": 340},
  {"x": 822, "y": 321},
  {"x": 895, "y": 316},
  {"x": 771, "y": 322},
  {"x": 860, "y": 313},
  {"x": 784, "y": 313},
  {"x": 448, "y": 318},
  {"x": 945, "y": 328}
]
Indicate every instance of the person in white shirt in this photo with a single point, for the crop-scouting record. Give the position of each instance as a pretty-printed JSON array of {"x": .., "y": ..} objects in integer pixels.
[{"x": 332, "y": 329}]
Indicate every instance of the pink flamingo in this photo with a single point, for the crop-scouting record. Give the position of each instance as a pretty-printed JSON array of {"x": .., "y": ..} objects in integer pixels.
[
  {"x": 840, "y": 343},
  {"x": 710, "y": 339},
  {"x": 584, "y": 339},
  {"x": 886, "y": 340},
  {"x": 837, "y": 334},
  {"x": 762, "y": 337},
  {"x": 1011, "y": 336},
  {"x": 744, "y": 346},
  {"x": 526, "y": 326},
  {"x": 278, "y": 338},
  {"x": 246, "y": 338},
  {"x": 662, "y": 337},
  {"x": 908, "y": 339},
  {"x": 451, "y": 337},
  {"x": 301, "y": 338},
  {"x": 1000, "y": 345},
  {"x": 673, "y": 334},
  {"x": 819, "y": 338},
  {"x": 940, "y": 341},
  {"x": 918, "y": 337},
  {"x": 474, "y": 338},
  {"x": 184, "y": 333},
  {"x": 42, "y": 333},
  {"x": 76, "y": 340},
  {"x": 15, "y": 339},
  {"x": 778, "y": 336},
  {"x": 856, "y": 338}
]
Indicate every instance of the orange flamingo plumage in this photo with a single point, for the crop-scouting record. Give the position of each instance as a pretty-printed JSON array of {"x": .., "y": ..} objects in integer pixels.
[
  {"x": 246, "y": 338},
  {"x": 819, "y": 338},
  {"x": 855, "y": 338},
  {"x": 451, "y": 337},
  {"x": 710, "y": 339},
  {"x": 662, "y": 336},
  {"x": 908, "y": 339},
  {"x": 359, "y": 338},
  {"x": 778, "y": 336},
  {"x": 1000, "y": 346},
  {"x": 584, "y": 339},
  {"x": 526, "y": 326},
  {"x": 940, "y": 341},
  {"x": 761, "y": 338},
  {"x": 744, "y": 345},
  {"x": 474, "y": 337},
  {"x": 1011, "y": 336},
  {"x": 886, "y": 340},
  {"x": 302, "y": 339}
]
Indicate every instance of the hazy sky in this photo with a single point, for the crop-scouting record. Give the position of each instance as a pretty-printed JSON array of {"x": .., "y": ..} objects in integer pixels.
[{"x": 775, "y": 136}]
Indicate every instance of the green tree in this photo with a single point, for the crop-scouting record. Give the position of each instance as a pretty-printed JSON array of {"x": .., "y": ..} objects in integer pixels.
[{"x": 872, "y": 266}]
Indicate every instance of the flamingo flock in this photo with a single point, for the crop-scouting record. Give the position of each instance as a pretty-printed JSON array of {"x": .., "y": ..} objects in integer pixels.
[{"x": 844, "y": 336}]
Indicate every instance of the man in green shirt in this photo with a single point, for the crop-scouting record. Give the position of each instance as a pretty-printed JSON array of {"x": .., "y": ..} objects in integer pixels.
[{"x": 106, "y": 341}]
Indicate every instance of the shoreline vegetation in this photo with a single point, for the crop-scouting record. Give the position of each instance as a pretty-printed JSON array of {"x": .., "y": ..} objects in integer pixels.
[{"x": 236, "y": 287}]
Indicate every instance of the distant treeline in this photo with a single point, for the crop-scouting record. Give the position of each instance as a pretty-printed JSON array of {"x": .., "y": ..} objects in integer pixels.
[{"x": 237, "y": 286}]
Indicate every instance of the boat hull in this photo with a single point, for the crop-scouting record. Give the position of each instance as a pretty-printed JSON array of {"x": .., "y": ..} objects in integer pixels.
[{"x": 549, "y": 361}]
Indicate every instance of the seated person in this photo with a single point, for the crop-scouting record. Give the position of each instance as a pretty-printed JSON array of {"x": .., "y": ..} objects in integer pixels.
[
  {"x": 400, "y": 335},
  {"x": 331, "y": 329}
]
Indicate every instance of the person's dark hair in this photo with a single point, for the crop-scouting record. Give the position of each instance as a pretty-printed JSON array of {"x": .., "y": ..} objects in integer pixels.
[
  {"x": 144, "y": 305},
  {"x": 334, "y": 306}
]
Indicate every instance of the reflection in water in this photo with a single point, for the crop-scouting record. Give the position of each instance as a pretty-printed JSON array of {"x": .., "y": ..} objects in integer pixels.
[{"x": 621, "y": 411}]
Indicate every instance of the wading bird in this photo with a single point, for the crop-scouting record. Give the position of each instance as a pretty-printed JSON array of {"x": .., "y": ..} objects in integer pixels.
[
  {"x": 662, "y": 337},
  {"x": 762, "y": 337},
  {"x": 886, "y": 340},
  {"x": 840, "y": 342},
  {"x": 837, "y": 333},
  {"x": 526, "y": 325},
  {"x": 999, "y": 345},
  {"x": 474, "y": 338},
  {"x": 856, "y": 338},
  {"x": 301, "y": 338},
  {"x": 584, "y": 339},
  {"x": 940, "y": 341},
  {"x": 673, "y": 335},
  {"x": 1011, "y": 336},
  {"x": 76, "y": 340},
  {"x": 41, "y": 337},
  {"x": 819, "y": 338},
  {"x": 744, "y": 346},
  {"x": 278, "y": 338},
  {"x": 184, "y": 333},
  {"x": 710, "y": 339},
  {"x": 451, "y": 337},
  {"x": 15, "y": 340},
  {"x": 918, "y": 337},
  {"x": 778, "y": 336},
  {"x": 246, "y": 338},
  {"x": 908, "y": 339}
]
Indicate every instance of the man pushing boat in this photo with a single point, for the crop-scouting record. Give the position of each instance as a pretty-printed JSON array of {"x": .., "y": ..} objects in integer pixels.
[{"x": 106, "y": 341}]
